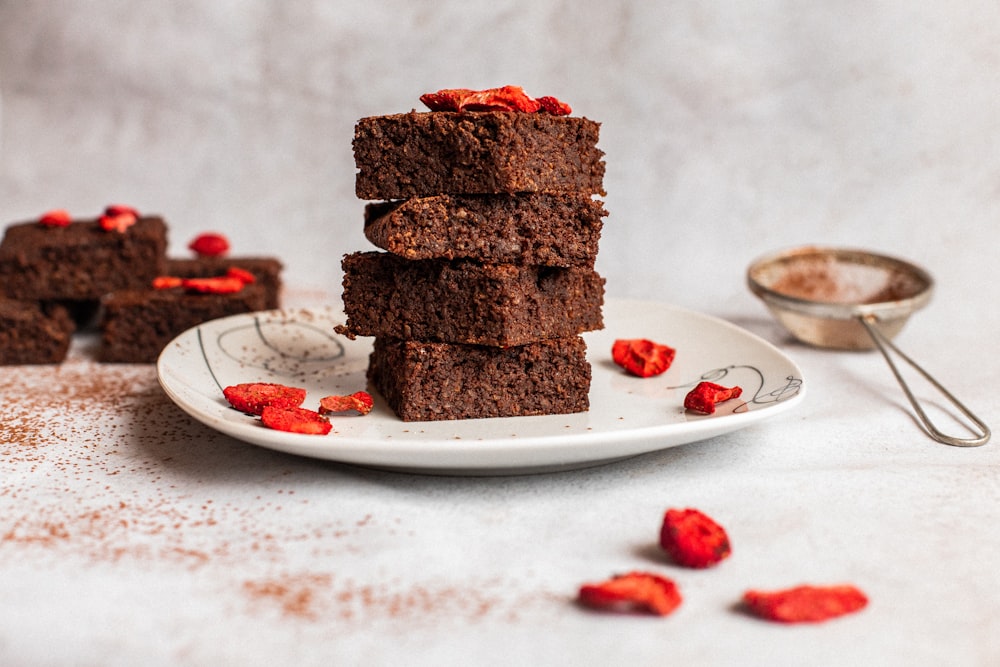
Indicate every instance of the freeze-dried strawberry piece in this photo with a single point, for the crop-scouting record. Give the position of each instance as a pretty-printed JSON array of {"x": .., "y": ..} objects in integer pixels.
[
  {"x": 118, "y": 218},
  {"x": 504, "y": 98},
  {"x": 117, "y": 223},
  {"x": 634, "y": 591},
  {"x": 253, "y": 397},
  {"x": 216, "y": 285},
  {"x": 554, "y": 106},
  {"x": 360, "y": 401},
  {"x": 448, "y": 99},
  {"x": 167, "y": 282},
  {"x": 805, "y": 604},
  {"x": 120, "y": 209},
  {"x": 693, "y": 539},
  {"x": 209, "y": 244},
  {"x": 705, "y": 396},
  {"x": 507, "y": 98},
  {"x": 642, "y": 357},
  {"x": 295, "y": 420},
  {"x": 55, "y": 218},
  {"x": 242, "y": 275},
  {"x": 232, "y": 282}
]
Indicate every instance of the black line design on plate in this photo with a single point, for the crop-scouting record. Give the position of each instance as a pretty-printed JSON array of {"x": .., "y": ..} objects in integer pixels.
[
  {"x": 783, "y": 392},
  {"x": 286, "y": 348},
  {"x": 282, "y": 362},
  {"x": 330, "y": 337},
  {"x": 204, "y": 356}
]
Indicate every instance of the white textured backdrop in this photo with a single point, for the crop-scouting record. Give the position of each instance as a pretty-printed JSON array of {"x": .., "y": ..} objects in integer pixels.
[{"x": 730, "y": 128}]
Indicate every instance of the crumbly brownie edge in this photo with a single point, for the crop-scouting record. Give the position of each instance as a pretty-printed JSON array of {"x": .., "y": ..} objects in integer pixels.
[{"x": 548, "y": 228}]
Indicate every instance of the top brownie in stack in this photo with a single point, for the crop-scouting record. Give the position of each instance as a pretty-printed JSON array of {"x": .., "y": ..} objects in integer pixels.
[{"x": 420, "y": 154}]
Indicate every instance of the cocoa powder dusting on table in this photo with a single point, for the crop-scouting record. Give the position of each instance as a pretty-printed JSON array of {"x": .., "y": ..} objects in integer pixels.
[
  {"x": 311, "y": 596},
  {"x": 77, "y": 479},
  {"x": 100, "y": 468}
]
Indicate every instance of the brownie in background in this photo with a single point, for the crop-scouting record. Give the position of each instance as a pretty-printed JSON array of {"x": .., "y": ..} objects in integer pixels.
[
  {"x": 80, "y": 261},
  {"x": 33, "y": 332}
]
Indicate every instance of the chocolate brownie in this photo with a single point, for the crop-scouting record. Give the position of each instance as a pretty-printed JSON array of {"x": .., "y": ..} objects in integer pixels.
[
  {"x": 418, "y": 154},
  {"x": 546, "y": 228},
  {"x": 33, "y": 332},
  {"x": 137, "y": 324},
  {"x": 80, "y": 261},
  {"x": 267, "y": 271},
  {"x": 436, "y": 381},
  {"x": 461, "y": 301}
]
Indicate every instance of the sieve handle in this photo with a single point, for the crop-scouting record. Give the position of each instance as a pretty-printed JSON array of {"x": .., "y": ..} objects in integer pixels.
[{"x": 885, "y": 345}]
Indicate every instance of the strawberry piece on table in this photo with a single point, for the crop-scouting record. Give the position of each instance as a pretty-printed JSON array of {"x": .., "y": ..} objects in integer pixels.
[
  {"x": 693, "y": 539},
  {"x": 805, "y": 604},
  {"x": 635, "y": 591}
]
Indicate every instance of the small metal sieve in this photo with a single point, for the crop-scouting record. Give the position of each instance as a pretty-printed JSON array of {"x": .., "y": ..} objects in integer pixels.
[{"x": 853, "y": 300}]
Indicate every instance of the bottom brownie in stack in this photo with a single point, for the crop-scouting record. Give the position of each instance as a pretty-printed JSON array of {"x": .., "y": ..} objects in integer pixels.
[{"x": 436, "y": 381}]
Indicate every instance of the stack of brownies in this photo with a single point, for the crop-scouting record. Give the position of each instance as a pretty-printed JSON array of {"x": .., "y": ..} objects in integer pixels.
[
  {"x": 58, "y": 274},
  {"x": 488, "y": 216}
]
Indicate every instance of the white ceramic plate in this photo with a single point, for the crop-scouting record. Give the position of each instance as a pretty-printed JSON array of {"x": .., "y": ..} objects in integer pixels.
[{"x": 628, "y": 415}]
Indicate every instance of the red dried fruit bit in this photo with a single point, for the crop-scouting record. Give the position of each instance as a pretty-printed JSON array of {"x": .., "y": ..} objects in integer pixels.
[
  {"x": 693, "y": 539},
  {"x": 635, "y": 591},
  {"x": 118, "y": 218},
  {"x": 805, "y": 604},
  {"x": 167, "y": 282},
  {"x": 448, "y": 99},
  {"x": 209, "y": 244},
  {"x": 253, "y": 397},
  {"x": 242, "y": 275},
  {"x": 217, "y": 285},
  {"x": 642, "y": 357},
  {"x": 554, "y": 106},
  {"x": 705, "y": 396},
  {"x": 505, "y": 98},
  {"x": 117, "y": 223},
  {"x": 361, "y": 401},
  {"x": 295, "y": 420},
  {"x": 120, "y": 209},
  {"x": 55, "y": 218}
]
